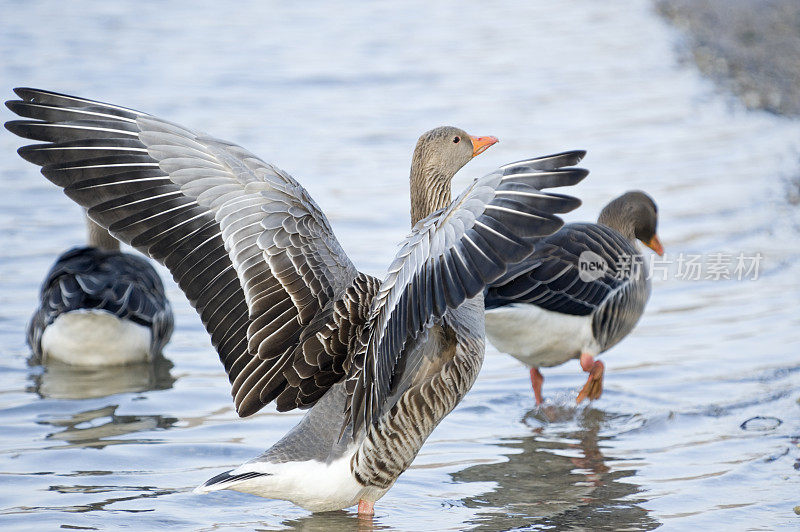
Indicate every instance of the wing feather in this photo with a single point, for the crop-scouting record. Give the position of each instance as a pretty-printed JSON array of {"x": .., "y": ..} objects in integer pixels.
[
  {"x": 88, "y": 278},
  {"x": 252, "y": 251},
  {"x": 451, "y": 256},
  {"x": 550, "y": 277}
]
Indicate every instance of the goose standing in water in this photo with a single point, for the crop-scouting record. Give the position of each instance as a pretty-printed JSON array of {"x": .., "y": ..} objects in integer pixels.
[
  {"x": 100, "y": 307},
  {"x": 580, "y": 292},
  {"x": 293, "y": 320}
]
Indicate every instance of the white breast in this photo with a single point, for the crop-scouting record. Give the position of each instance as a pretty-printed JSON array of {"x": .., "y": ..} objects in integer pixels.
[
  {"x": 538, "y": 337},
  {"x": 95, "y": 338}
]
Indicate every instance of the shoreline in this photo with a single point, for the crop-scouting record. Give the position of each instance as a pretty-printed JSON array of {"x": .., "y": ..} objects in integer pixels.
[{"x": 751, "y": 49}]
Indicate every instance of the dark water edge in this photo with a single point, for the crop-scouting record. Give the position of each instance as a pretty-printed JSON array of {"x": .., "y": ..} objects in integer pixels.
[{"x": 749, "y": 47}]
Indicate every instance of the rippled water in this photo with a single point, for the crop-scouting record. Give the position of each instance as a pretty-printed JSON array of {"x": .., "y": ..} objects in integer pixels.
[{"x": 699, "y": 424}]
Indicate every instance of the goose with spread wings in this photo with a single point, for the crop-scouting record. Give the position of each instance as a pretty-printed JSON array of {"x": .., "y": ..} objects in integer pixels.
[{"x": 379, "y": 362}]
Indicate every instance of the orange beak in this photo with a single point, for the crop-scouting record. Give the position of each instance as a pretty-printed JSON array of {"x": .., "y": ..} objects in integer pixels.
[
  {"x": 481, "y": 144},
  {"x": 655, "y": 245}
]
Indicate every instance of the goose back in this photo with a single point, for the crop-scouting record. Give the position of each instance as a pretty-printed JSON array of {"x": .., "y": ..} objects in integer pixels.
[
  {"x": 121, "y": 284},
  {"x": 552, "y": 278}
]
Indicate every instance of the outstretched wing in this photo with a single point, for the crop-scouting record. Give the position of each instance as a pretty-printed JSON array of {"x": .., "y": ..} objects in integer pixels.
[
  {"x": 452, "y": 255},
  {"x": 550, "y": 277},
  {"x": 250, "y": 249}
]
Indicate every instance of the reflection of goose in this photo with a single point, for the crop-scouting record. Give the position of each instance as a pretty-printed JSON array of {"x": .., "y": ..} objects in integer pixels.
[
  {"x": 332, "y": 522},
  {"x": 555, "y": 479},
  {"x": 63, "y": 381},
  {"x": 97, "y": 428},
  {"x": 100, "y": 306},
  {"x": 551, "y": 308},
  {"x": 292, "y": 318}
]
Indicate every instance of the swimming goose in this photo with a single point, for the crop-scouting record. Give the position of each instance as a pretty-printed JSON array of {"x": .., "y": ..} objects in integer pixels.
[
  {"x": 100, "y": 307},
  {"x": 580, "y": 292},
  {"x": 293, "y": 320}
]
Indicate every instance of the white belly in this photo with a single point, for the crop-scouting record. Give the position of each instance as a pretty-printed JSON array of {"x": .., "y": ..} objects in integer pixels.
[
  {"x": 538, "y": 337},
  {"x": 95, "y": 338},
  {"x": 313, "y": 485}
]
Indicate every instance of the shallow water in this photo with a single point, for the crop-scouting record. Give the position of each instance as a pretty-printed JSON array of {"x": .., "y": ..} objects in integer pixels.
[{"x": 699, "y": 424}]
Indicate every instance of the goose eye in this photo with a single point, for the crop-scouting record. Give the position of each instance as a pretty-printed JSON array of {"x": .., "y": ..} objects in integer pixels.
[{"x": 456, "y": 140}]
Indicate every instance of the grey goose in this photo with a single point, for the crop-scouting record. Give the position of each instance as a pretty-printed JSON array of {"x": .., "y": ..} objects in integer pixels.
[
  {"x": 580, "y": 292},
  {"x": 99, "y": 306},
  {"x": 378, "y": 362}
]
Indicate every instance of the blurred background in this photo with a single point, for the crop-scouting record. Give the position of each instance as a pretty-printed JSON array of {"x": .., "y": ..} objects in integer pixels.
[{"x": 694, "y": 102}]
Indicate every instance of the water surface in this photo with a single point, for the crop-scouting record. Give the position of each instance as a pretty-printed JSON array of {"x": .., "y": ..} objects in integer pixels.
[{"x": 698, "y": 424}]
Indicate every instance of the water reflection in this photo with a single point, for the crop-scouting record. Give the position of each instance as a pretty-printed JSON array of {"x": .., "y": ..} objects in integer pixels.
[
  {"x": 341, "y": 520},
  {"x": 61, "y": 381},
  {"x": 557, "y": 477},
  {"x": 143, "y": 492},
  {"x": 100, "y": 427}
]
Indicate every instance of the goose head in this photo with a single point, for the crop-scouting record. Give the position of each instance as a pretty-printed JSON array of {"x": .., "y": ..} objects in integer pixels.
[
  {"x": 635, "y": 216},
  {"x": 439, "y": 154}
]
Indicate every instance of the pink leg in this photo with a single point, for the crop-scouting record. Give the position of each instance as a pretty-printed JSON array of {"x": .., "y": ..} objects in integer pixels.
[
  {"x": 593, "y": 388},
  {"x": 366, "y": 508},
  {"x": 536, "y": 381}
]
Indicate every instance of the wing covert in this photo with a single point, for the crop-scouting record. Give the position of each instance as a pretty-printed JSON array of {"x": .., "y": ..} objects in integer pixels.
[{"x": 550, "y": 277}]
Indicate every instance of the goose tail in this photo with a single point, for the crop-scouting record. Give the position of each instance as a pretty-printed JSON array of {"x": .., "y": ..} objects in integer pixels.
[{"x": 226, "y": 480}]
